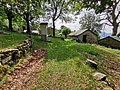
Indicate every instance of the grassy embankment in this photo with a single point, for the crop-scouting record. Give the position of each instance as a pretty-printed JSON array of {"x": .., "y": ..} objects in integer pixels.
[
  {"x": 10, "y": 40},
  {"x": 65, "y": 66}
]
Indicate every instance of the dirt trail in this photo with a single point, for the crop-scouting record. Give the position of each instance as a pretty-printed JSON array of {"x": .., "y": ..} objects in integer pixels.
[
  {"x": 112, "y": 67},
  {"x": 23, "y": 75}
]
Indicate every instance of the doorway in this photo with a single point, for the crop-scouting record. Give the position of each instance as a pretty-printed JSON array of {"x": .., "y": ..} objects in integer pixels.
[{"x": 84, "y": 38}]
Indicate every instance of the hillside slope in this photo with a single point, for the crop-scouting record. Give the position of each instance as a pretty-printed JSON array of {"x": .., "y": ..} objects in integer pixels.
[
  {"x": 65, "y": 66},
  {"x": 11, "y": 39}
]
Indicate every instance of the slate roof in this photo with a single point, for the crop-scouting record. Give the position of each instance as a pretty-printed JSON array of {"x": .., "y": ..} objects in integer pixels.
[
  {"x": 113, "y": 37},
  {"x": 116, "y": 38},
  {"x": 79, "y": 32}
]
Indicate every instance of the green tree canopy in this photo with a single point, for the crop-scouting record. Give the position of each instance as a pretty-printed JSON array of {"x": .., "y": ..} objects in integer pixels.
[
  {"x": 8, "y": 9},
  {"x": 65, "y": 31},
  {"x": 29, "y": 10}
]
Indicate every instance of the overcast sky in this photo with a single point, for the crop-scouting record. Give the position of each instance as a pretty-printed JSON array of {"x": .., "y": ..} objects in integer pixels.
[
  {"x": 76, "y": 26},
  {"x": 73, "y": 25}
]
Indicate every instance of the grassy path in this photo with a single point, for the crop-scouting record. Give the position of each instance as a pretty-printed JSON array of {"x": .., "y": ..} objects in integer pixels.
[{"x": 23, "y": 75}]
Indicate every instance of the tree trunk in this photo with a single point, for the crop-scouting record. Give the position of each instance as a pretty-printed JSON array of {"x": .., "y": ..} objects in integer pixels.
[
  {"x": 10, "y": 16},
  {"x": 114, "y": 33},
  {"x": 65, "y": 35},
  {"x": 28, "y": 25},
  {"x": 115, "y": 24},
  {"x": 10, "y": 23},
  {"x": 115, "y": 28},
  {"x": 53, "y": 27}
]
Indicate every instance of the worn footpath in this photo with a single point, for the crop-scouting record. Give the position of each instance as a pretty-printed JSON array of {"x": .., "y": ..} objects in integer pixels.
[{"x": 24, "y": 74}]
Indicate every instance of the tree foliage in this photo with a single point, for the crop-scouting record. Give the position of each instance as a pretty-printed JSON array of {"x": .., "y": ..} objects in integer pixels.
[
  {"x": 28, "y": 9},
  {"x": 91, "y": 21},
  {"x": 8, "y": 7},
  {"x": 65, "y": 31}
]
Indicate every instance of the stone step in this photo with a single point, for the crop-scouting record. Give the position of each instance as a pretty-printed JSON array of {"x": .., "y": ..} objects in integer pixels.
[
  {"x": 99, "y": 76},
  {"x": 91, "y": 63}
]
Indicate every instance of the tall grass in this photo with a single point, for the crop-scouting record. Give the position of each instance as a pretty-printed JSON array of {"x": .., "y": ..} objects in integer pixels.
[
  {"x": 65, "y": 68},
  {"x": 10, "y": 40}
]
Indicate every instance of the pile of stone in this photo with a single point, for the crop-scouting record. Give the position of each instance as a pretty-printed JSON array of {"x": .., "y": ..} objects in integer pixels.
[
  {"x": 9, "y": 56},
  {"x": 98, "y": 75}
]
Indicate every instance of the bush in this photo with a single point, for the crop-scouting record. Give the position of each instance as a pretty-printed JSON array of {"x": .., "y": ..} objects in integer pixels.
[{"x": 65, "y": 31}]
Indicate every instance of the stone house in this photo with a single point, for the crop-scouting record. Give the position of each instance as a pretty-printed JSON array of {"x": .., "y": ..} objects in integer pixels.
[
  {"x": 50, "y": 30},
  {"x": 110, "y": 41},
  {"x": 84, "y": 36}
]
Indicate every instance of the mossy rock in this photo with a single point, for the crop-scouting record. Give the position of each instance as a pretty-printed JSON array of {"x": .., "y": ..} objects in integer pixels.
[{"x": 3, "y": 70}]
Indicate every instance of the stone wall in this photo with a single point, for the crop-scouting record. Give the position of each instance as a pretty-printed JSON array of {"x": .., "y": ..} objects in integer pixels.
[
  {"x": 10, "y": 56},
  {"x": 90, "y": 37},
  {"x": 109, "y": 42}
]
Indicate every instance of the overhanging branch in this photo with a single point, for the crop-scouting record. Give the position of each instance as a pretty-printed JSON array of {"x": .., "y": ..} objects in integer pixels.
[{"x": 107, "y": 24}]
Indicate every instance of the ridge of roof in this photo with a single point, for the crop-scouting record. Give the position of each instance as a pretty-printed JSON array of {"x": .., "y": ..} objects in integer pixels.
[
  {"x": 79, "y": 32},
  {"x": 113, "y": 37}
]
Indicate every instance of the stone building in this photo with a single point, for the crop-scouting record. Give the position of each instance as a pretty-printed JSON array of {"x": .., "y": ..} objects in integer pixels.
[
  {"x": 110, "y": 41},
  {"x": 50, "y": 31},
  {"x": 84, "y": 36}
]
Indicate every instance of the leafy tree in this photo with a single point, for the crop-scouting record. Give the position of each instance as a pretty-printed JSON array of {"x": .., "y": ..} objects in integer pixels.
[
  {"x": 91, "y": 21},
  {"x": 57, "y": 9},
  {"x": 7, "y": 7},
  {"x": 3, "y": 20},
  {"x": 109, "y": 9},
  {"x": 29, "y": 10},
  {"x": 18, "y": 21},
  {"x": 65, "y": 31},
  {"x": 3, "y": 25}
]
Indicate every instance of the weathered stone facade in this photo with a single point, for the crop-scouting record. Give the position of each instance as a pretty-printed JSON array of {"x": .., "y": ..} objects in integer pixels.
[
  {"x": 110, "y": 42},
  {"x": 84, "y": 36},
  {"x": 90, "y": 37},
  {"x": 50, "y": 31}
]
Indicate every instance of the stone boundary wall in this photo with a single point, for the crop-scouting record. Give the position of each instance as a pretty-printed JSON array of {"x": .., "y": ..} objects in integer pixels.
[{"x": 10, "y": 56}]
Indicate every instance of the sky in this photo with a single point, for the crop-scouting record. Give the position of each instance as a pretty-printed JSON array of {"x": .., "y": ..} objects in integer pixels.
[
  {"x": 76, "y": 26},
  {"x": 72, "y": 26}
]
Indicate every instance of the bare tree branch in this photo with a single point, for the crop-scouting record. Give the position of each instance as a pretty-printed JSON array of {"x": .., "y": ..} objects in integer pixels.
[
  {"x": 107, "y": 24},
  {"x": 54, "y": 3},
  {"x": 118, "y": 22},
  {"x": 117, "y": 15},
  {"x": 59, "y": 14},
  {"x": 60, "y": 10},
  {"x": 117, "y": 2},
  {"x": 108, "y": 18}
]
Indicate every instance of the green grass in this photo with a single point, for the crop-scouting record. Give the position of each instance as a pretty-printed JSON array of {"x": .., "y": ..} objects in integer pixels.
[
  {"x": 72, "y": 74},
  {"x": 110, "y": 51},
  {"x": 64, "y": 67},
  {"x": 10, "y": 40}
]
